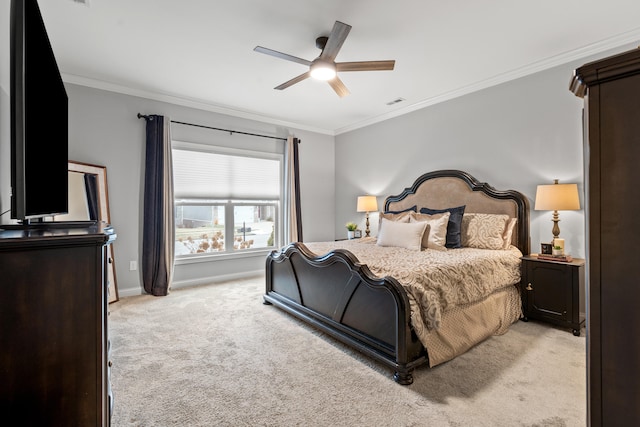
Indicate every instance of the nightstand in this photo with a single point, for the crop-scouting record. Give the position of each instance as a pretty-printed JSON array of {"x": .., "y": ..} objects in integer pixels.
[{"x": 553, "y": 291}]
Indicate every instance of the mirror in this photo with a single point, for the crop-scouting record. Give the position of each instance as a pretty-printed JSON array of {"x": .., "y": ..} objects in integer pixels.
[{"x": 89, "y": 200}]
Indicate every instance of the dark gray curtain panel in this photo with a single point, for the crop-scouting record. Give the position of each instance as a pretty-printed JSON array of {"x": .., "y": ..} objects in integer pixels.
[{"x": 158, "y": 222}]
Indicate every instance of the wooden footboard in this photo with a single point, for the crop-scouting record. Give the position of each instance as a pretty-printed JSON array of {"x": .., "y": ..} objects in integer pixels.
[{"x": 341, "y": 297}]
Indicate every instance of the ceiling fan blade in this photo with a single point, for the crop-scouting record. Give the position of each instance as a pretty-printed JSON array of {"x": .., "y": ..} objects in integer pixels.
[
  {"x": 338, "y": 34},
  {"x": 282, "y": 55},
  {"x": 365, "y": 66},
  {"x": 293, "y": 81},
  {"x": 339, "y": 87}
]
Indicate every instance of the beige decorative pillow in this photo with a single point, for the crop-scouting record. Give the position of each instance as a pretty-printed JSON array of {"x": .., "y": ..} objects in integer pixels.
[
  {"x": 437, "y": 236},
  {"x": 483, "y": 231},
  {"x": 399, "y": 217},
  {"x": 508, "y": 232},
  {"x": 401, "y": 234}
]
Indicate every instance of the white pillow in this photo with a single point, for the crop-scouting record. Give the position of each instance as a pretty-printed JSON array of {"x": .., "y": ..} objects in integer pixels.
[
  {"x": 437, "y": 237},
  {"x": 401, "y": 234}
]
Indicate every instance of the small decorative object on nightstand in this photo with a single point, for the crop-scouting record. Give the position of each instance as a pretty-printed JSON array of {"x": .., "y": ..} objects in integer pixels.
[
  {"x": 554, "y": 291},
  {"x": 351, "y": 230}
]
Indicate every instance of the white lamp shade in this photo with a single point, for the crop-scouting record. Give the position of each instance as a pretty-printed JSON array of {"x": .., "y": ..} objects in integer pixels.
[
  {"x": 557, "y": 197},
  {"x": 367, "y": 204}
]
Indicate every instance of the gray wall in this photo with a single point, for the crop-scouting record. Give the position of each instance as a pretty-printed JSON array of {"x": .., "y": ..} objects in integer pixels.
[
  {"x": 513, "y": 136},
  {"x": 104, "y": 130}
]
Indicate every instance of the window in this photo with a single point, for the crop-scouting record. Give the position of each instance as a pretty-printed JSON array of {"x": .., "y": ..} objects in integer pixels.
[{"x": 226, "y": 200}]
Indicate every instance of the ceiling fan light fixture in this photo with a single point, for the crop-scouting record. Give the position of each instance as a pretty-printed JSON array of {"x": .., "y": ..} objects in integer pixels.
[
  {"x": 322, "y": 70},
  {"x": 325, "y": 67}
]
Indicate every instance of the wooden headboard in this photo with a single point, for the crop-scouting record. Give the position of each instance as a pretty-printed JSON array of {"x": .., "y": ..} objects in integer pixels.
[{"x": 450, "y": 188}]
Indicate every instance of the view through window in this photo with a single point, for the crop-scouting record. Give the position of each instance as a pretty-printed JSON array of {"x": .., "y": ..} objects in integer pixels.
[{"x": 226, "y": 201}]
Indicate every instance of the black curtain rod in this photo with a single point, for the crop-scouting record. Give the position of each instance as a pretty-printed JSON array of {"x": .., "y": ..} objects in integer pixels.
[{"x": 142, "y": 116}]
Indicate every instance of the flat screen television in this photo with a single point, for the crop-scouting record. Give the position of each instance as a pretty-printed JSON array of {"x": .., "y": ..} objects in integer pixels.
[{"x": 39, "y": 119}]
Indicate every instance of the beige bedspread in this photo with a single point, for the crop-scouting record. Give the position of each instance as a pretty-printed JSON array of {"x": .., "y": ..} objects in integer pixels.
[{"x": 435, "y": 280}]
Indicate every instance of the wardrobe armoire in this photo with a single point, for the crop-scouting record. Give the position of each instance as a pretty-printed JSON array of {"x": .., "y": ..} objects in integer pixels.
[{"x": 611, "y": 92}]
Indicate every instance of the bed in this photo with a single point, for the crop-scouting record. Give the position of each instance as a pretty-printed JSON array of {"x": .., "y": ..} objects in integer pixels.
[{"x": 374, "y": 307}]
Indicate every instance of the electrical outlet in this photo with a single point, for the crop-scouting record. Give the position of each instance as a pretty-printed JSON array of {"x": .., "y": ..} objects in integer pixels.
[{"x": 133, "y": 265}]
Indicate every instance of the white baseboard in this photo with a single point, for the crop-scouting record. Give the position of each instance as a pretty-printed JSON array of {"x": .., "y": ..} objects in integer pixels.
[
  {"x": 123, "y": 293},
  {"x": 216, "y": 279},
  {"x": 197, "y": 282}
]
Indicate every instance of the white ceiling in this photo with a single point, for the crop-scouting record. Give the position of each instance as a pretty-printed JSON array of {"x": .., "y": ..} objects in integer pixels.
[{"x": 200, "y": 52}]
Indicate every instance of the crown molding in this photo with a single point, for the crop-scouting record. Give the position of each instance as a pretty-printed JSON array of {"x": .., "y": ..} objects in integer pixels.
[
  {"x": 186, "y": 102},
  {"x": 615, "y": 42}
]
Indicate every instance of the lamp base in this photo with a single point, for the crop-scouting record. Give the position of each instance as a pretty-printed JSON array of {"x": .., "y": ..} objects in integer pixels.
[
  {"x": 366, "y": 230},
  {"x": 556, "y": 229}
]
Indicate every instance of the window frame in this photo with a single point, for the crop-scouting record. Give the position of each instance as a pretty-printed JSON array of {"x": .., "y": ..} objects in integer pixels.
[{"x": 230, "y": 204}]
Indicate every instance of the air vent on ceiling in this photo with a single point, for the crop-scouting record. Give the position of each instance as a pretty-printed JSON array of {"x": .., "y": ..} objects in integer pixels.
[
  {"x": 395, "y": 101},
  {"x": 84, "y": 2}
]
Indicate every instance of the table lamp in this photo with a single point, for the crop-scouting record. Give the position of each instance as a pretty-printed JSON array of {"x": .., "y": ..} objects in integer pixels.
[
  {"x": 557, "y": 197},
  {"x": 367, "y": 204}
]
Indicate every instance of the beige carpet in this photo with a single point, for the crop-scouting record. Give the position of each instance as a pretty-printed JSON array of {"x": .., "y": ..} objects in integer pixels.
[{"x": 215, "y": 355}]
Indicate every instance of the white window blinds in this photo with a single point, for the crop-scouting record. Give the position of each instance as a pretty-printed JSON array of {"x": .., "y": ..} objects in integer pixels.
[{"x": 209, "y": 175}]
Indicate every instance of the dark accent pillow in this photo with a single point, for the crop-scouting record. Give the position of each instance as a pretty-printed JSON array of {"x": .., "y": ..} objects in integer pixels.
[
  {"x": 454, "y": 226},
  {"x": 413, "y": 208}
]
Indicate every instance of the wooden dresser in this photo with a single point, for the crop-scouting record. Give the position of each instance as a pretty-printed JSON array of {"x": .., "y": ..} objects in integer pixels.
[
  {"x": 611, "y": 92},
  {"x": 54, "y": 361}
]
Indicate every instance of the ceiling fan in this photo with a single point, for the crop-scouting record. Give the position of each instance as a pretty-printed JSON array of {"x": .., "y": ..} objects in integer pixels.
[{"x": 324, "y": 66}]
